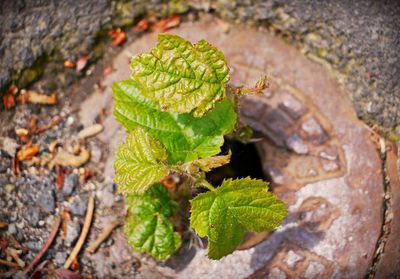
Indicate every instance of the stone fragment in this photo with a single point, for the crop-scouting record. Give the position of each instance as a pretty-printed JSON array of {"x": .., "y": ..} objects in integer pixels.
[
  {"x": 277, "y": 125},
  {"x": 276, "y": 175},
  {"x": 96, "y": 154},
  {"x": 292, "y": 106},
  {"x": 34, "y": 246},
  {"x": 314, "y": 132},
  {"x": 329, "y": 156},
  {"x": 46, "y": 200},
  {"x": 314, "y": 270},
  {"x": 4, "y": 161},
  {"x": 79, "y": 206},
  {"x": 253, "y": 108},
  {"x": 8, "y": 145},
  {"x": 106, "y": 198},
  {"x": 296, "y": 144},
  {"x": 73, "y": 230},
  {"x": 277, "y": 273},
  {"x": 32, "y": 215},
  {"x": 317, "y": 214},
  {"x": 71, "y": 182},
  {"x": 60, "y": 258},
  {"x": 292, "y": 258},
  {"x": 329, "y": 166}
]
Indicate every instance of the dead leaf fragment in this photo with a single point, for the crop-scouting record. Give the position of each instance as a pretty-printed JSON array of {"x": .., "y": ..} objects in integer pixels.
[
  {"x": 60, "y": 177},
  {"x": 142, "y": 25},
  {"x": 27, "y": 152},
  {"x": 14, "y": 254},
  {"x": 15, "y": 166},
  {"x": 30, "y": 96},
  {"x": 90, "y": 131},
  {"x": 13, "y": 89},
  {"x": 167, "y": 23},
  {"x": 223, "y": 25},
  {"x": 67, "y": 274},
  {"x": 3, "y": 225},
  {"x": 81, "y": 63},
  {"x": 66, "y": 218},
  {"x": 23, "y": 134},
  {"x": 65, "y": 159},
  {"x": 107, "y": 70},
  {"x": 118, "y": 36},
  {"x": 8, "y": 101},
  {"x": 52, "y": 145},
  {"x": 69, "y": 64}
]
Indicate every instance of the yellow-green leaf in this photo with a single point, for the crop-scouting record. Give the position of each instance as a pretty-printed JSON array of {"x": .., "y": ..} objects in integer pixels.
[
  {"x": 139, "y": 162},
  {"x": 181, "y": 76},
  {"x": 236, "y": 206}
]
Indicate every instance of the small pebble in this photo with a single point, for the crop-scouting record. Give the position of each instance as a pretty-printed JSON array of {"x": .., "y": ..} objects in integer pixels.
[
  {"x": 71, "y": 182},
  {"x": 12, "y": 229},
  {"x": 70, "y": 121},
  {"x": 78, "y": 206},
  {"x": 73, "y": 230},
  {"x": 60, "y": 258},
  {"x": 9, "y": 188},
  {"x": 90, "y": 131},
  {"x": 32, "y": 215},
  {"x": 46, "y": 200}
]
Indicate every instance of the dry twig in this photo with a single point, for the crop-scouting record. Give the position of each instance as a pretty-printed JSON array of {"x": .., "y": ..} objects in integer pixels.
[
  {"x": 14, "y": 254},
  {"x": 103, "y": 236},
  {"x": 85, "y": 230},
  {"x": 46, "y": 246},
  {"x": 9, "y": 264}
]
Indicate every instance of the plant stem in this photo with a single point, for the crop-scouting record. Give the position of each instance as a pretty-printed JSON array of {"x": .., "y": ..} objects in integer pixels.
[{"x": 206, "y": 184}]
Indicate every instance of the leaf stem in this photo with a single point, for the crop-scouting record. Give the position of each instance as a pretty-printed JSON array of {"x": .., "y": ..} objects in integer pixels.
[{"x": 208, "y": 185}]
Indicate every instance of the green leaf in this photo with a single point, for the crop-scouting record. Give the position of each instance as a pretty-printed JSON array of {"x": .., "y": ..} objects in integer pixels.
[
  {"x": 185, "y": 137},
  {"x": 140, "y": 162},
  {"x": 148, "y": 226},
  {"x": 236, "y": 206},
  {"x": 181, "y": 76}
]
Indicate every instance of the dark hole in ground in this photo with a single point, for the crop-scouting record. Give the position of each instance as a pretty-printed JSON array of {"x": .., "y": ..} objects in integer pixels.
[{"x": 245, "y": 161}]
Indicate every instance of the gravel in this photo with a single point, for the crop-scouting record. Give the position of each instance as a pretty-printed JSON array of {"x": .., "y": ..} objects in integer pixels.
[
  {"x": 71, "y": 182},
  {"x": 79, "y": 205},
  {"x": 32, "y": 215},
  {"x": 73, "y": 230},
  {"x": 46, "y": 200}
]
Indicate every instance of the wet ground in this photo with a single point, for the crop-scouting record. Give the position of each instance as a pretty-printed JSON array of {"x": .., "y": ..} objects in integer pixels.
[{"x": 324, "y": 162}]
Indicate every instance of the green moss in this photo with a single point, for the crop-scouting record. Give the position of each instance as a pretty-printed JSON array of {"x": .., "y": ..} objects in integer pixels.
[
  {"x": 29, "y": 75},
  {"x": 393, "y": 136}
]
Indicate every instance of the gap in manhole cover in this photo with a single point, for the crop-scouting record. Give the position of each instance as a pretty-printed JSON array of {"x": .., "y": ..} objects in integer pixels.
[{"x": 318, "y": 155}]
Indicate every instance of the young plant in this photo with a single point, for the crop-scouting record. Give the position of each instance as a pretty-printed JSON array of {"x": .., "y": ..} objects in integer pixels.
[{"x": 176, "y": 111}]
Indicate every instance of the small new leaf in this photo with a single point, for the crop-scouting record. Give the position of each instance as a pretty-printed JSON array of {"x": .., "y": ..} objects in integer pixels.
[
  {"x": 148, "y": 224},
  {"x": 236, "y": 206},
  {"x": 181, "y": 76},
  {"x": 185, "y": 138},
  {"x": 207, "y": 164},
  {"x": 140, "y": 162}
]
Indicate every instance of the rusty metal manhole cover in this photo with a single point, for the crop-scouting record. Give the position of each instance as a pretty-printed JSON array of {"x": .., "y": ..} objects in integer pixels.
[{"x": 318, "y": 154}]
